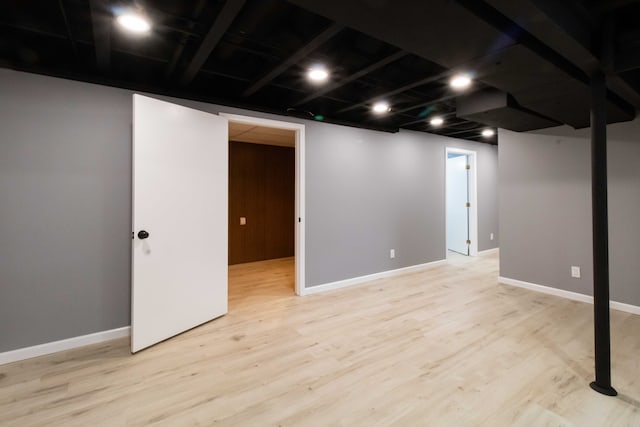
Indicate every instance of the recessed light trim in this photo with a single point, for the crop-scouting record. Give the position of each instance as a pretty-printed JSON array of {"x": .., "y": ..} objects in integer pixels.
[
  {"x": 134, "y": 23},
  {"x": 437, "y": 121},
  {"x": 487, "y": 133},
  {"x": 318, "y": 74},
  {"x": 381, "y": 107},
  {"x": 460, "y": 81}
]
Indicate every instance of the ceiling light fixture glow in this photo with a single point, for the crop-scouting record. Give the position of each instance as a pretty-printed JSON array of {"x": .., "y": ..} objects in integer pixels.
[
  {"x": 460, "y": 81},
  {"x": 318, "y": 74},
  {"x": 381, "y": 107},
  {"x": 437, "y": 121},
  {"x": 134, "y": 22},
  {"x": 487, "y": 133}
]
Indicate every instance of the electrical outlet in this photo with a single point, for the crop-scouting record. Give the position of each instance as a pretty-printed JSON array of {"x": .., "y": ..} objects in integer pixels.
[
  {"x": 575, "y": 272},
  {"x": 392, "y": 253},
  {"x": 491, "y": 236}
]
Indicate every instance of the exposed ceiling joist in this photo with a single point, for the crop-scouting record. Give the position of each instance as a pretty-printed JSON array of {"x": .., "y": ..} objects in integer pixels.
[
  {"x": 461, "y": 132},
  {"x": 317, "y": 41},
  {"x": 101, "y": 26},
  {"x": 569, "y": 28},
  {"x": 627, "y": 60},
  {"x": 500, "y": 21},
  {"x": 423, "y": 119},
  {"x": 177, "y": 53},
  {"x": 226, "y": 16},
  {"x": 396, "y": 91},
  {"x": 363, "y": 72},
  {"x": 428, "y": 103},
  {"x": 74, "y": 47},
  {"x": 609, "y": 5}
]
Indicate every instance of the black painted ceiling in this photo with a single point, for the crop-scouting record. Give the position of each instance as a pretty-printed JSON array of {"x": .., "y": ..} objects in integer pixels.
[{"x": 531, "y": 58}]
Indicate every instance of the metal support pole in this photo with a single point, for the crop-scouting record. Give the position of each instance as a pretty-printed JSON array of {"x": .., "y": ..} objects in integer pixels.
[{"x": 602, "y": 328}]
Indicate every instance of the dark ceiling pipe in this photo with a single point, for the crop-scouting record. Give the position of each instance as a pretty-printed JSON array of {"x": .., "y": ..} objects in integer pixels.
[{"x": 602, "y": 327}]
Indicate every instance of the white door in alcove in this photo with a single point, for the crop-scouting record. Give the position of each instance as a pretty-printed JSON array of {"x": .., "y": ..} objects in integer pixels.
[
  {"x": 180, "y": 209},
  {"x": 458, "y": 203}
]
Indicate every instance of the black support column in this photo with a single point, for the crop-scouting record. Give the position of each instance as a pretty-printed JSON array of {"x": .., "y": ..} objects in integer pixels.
[{"x": 602, "y": 384}]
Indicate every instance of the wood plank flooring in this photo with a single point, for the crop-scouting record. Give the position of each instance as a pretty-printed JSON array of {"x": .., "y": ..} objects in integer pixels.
[{"x": 447, "y": 346}]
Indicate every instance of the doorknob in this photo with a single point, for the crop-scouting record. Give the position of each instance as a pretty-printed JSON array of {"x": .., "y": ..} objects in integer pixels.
[{"x": 142, "y": 234}]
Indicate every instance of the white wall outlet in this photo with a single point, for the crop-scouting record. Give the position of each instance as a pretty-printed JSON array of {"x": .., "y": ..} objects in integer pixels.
[
  {"x": 491, "y": 236},
  {"x": 575, "y": 272},
  {"x": 243, "y": 220},
  {"x": 392, "y": 253}
]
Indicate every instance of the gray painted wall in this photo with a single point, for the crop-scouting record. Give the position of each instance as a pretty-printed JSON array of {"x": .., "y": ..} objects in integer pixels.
[
  {"x": 65, "y": 192},
  {"x": 65, "y": 202},
  {"x": 545, "y": 208}
]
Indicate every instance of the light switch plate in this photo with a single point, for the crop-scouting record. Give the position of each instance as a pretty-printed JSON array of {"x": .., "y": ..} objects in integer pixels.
[
  {"x": 392, "y": 253},
  {"x": 575, "y": 272},
  {"x": 243, "y": 220}
]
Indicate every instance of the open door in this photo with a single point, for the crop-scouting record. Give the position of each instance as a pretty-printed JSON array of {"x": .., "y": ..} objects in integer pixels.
[
  {"x": 458, "y": 203},
  {"x": 180, "y": 208}
]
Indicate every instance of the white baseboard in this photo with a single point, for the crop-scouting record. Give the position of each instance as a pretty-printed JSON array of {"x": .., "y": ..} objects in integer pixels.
[
  {"x": 488, "y": 251},
  {"x": 362, "y": 279},
  {"x": 67, "y": 344},
  {"x": 628, "y": 308}
]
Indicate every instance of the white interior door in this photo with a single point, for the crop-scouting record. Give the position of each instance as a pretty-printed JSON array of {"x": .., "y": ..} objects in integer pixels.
[
  {"x": 180, "y": 192},
  {"x": 457, "y": 199}
]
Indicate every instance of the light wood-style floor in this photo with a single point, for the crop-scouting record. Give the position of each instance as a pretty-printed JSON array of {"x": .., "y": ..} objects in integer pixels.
[{"x": 447, "y": 346}]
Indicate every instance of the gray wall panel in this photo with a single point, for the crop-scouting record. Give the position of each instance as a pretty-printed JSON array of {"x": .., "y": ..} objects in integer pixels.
[
  {"x": 545, "y": 208},
  {"x": 65, "y": 202}
]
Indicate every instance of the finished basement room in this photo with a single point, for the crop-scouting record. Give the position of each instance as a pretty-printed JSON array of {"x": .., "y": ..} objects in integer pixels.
[{"x": 300, "y": 213}]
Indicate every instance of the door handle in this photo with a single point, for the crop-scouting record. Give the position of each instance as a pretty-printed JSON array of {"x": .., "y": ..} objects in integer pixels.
[{"x": 142, "y": 234}]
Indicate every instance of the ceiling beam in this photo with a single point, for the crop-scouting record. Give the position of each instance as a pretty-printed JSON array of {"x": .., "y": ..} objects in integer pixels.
[
  {"x": 74, "y": 47},
  {"x": 443, "y": 98},
  {"x": 317, "y": 41},
  {"x": 568, "y": 28},
  {"x": 355, "y": 76},
  {"x": 609, "y": 5},
  {"x": 500, "y": 20},
  {"x": 396, "y": 91},
  {"x": 222, "y": 23},
  {"x": 461, "y": 132},
  {"x": 627, "y": 60},
  {"x": 177, "y": 53},
  {"x": 424, "y": 119},
  {"x": 101, "y": 26}
]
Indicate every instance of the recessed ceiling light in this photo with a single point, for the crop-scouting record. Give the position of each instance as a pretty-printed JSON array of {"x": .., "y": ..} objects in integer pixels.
[
  {"x": 437, "y": 121},
  {"x": 134, "y": 22},
  {"x": 460, "y": 81},
  {"x": 381, "y": 107},
  {"x": 488, "y": 133},
  {"x": 318, "y": 74}
]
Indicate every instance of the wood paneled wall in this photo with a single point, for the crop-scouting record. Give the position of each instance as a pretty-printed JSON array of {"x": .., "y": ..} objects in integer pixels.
[{"x": 261, "y": 189}]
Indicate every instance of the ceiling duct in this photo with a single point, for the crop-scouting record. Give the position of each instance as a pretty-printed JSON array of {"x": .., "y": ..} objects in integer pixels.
[{"x": 499, "y": 109}]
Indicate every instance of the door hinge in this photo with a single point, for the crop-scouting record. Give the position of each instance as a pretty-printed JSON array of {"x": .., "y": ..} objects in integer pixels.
[
  {"x": 467, "y": 167},
  {"x": 468, "y": 242},
  {"x": 468, "y": 204}
]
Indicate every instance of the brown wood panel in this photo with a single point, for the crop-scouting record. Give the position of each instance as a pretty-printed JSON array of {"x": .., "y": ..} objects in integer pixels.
[
  {"x": 261, "y": 189},
  {"x": 280, "y": 202}
]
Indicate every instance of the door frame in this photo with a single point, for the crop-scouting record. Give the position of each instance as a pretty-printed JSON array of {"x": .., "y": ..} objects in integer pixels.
[
  {"x": 473, "y": 198},
  {"x": 299, "y": 252}
]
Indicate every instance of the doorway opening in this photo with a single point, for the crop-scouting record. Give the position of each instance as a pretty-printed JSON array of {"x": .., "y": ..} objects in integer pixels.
[
  {"x": 266, "y": 237},
  {"x": 461, "y": 202}
]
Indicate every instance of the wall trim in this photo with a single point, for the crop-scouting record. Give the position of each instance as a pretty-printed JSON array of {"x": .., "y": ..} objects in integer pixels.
[
  {"x": 627, "y": 308},
  {"x": 370, "y": 277},
  {"x": 62, "y": 345},
  {"x": 489, "y": 251}
]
